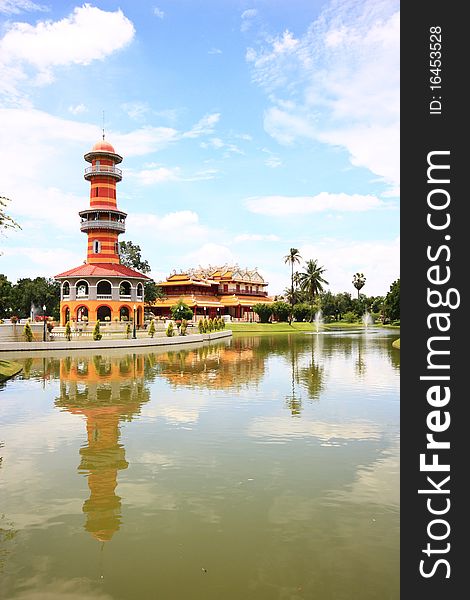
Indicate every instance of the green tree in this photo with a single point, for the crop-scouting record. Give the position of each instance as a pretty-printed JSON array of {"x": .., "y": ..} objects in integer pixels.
[
  {"x": 311, "y": 279},
  {"x": 38, "y": 292},
  {"x": 152, "y": 291},
  {"x": 170, "y": 329},
  {"x": 200, "y": 326},
  {"x": 151, "y": 330},
  {"x": 130, "y": 255},
  {"x": 302, "y": 311},
  {"x": 358, "y": 282},
  {"x": 292, "y": 258},
  {"x": 180, "y": 311},
  {"x": 68, "y": 331},
  {"x": 264, "y": 311},
  {"x": 184, "y": 326},
  {"x": 5, "y": 296},
  {"x": 281, "y": 310},
  {"x": 392, "y": 302}
]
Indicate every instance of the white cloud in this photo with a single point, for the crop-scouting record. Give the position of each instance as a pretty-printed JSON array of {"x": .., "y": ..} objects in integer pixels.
[
  {"x": 256, "y": 237},
  {"x": 279, "y": 206},
  {"x": 88, "y": 34},
  {"x": 338, "y": 83},
  {"x": 209, "y": 254},
  {"x": 378, "y": 260},
  {"x": 179, "y": 225},
  {"x": 31, "y": 261},
  {"x": 247, "y": 17},
  {"x": 14, "y": 7},
  {"x": 215, "y": 51},
  {"x": 153, "y": 173},
  {"x": 77, "y": 109},
  {"x": 219, "y": 144},
  {"x": 135, "y": 110},
  {"x": 158, "y": 13},
  {"x": 204, "y": 126},
  {"x": 273, "y": 161}
]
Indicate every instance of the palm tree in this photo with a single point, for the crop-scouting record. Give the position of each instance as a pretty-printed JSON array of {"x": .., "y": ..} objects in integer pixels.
[
  {"x": 292, "y": 258},
  {"x": 358, "y": 282},
  {"x": 311, "y": 280}
]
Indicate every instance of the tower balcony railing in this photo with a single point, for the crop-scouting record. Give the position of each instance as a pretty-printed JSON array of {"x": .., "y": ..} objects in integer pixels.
[
  {"x": 125, "y": 297},
  {"x": 104, "y": 297},
  {"x": 103, "y": 170},
  {"x": 103, "y": 224}
]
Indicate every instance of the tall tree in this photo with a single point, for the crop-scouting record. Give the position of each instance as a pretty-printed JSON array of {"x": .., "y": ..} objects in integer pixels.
[
  {"x": 358, "y": 282},
  {"x": 131, "y": 256},
  {"x": 152, "y": 291},
  {"x": 292, "y": 258},
  {"x": 35, "y": 292},
  {"x": 392, "y": 302},
  {"x": 311, "y": 279},
  {"x": 5, "y": 296}
]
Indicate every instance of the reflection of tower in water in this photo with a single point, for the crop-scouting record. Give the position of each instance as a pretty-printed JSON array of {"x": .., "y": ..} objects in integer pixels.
[{"x": 105, "y": 391}]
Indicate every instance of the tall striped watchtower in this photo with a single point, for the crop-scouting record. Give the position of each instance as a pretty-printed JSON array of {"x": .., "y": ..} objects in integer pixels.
[{"x": 102, "y": 289}]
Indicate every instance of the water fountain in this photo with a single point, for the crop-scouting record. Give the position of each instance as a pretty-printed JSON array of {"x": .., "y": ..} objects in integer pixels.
[
  {"x": 367, "y": 320},
  {"x": 318, "y": 320}
]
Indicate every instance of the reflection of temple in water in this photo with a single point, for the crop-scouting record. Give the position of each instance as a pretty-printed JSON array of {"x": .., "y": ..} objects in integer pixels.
[
  {"x": 214, "y": 366},
  {"x": 106, "y": 391}
]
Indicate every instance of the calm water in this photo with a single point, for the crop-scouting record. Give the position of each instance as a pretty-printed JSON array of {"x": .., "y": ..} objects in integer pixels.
[{"x": 261, "y": 468}]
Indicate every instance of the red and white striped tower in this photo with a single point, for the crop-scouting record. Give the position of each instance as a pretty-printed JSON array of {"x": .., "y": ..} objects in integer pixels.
[{"x": 103, "y": 222}]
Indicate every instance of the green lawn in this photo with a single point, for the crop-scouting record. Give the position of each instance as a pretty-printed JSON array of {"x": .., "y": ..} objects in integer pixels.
[
  {"x": 8, "y": 369},
  {"x": 260, "y": 328}
]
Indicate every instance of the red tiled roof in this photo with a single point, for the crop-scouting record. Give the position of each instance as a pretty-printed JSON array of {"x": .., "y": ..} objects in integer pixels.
[{"x": 102, "y": 270}]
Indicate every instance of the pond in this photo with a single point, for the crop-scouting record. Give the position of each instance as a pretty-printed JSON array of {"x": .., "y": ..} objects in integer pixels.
[{"x": 255, "y": 468}]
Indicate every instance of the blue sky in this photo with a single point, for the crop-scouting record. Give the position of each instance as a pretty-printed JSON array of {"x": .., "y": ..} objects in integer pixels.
[{"x": 246, "y": 127}]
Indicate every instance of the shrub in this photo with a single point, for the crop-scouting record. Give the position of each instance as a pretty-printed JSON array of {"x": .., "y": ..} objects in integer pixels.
[
  {"x": 128, "y": 330},
  {"x": 349, "y": 317},
  {"x": 96, "y": 332},
  {"x": 302, "y": 311},
  {"x": 27, "y": 332},
  {"x": 222, "y": 323},
  {"x": 210, "y": 325},
  {"x": 14, "y": 319},
  {"x": 152, "y": 328},
  {"x": 68, "y": 331},
  {"x": 184, "y": 326},
  {"x": 206, "y": 325},
  {"x": 170, "y": 329},
  {"x": 264, "y": 311},
  {"x": 281, "y": 310}
]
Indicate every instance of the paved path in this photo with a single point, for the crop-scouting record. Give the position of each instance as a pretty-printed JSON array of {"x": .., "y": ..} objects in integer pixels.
[{"x": 113, "y": 343}]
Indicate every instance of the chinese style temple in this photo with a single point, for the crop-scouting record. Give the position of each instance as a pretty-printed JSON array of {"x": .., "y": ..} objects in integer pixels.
[
  {"x": 102, "y": 289},
  {"x": 214, "y": 291}
]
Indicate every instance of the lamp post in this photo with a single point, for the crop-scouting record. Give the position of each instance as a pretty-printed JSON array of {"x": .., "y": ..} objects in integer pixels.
[
  {"x": 133, "y": 332},
  {"x": 44, "y": 323}
]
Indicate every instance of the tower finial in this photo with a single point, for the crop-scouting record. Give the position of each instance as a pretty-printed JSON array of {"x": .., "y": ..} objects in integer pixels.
[{"x": 103, "y": 124}]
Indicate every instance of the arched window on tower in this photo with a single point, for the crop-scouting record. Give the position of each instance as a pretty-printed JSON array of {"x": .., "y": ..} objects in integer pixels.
[{"x": 96, "y": 246}]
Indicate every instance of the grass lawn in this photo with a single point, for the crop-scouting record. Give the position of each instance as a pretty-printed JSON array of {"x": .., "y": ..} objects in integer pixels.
[
  {"x": 269, "y": 328},
  {"x": 8, "y": 369}
]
